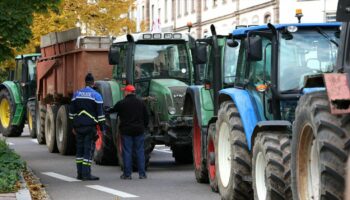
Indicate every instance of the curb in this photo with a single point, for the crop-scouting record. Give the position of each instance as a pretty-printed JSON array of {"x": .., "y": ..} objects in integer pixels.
[{"x": 23, "y": 193}]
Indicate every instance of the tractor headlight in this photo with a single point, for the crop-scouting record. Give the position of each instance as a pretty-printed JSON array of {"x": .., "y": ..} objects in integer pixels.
[{"x": 171, "y": 110}]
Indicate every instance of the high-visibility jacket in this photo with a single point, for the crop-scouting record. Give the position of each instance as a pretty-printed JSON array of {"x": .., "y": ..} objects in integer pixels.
[{"x": 86, "y": 108}]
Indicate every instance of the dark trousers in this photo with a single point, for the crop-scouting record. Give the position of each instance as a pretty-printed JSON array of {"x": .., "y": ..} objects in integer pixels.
[
  {"x": 85, "y": 148},
  {"x": 136, "y": 144}
]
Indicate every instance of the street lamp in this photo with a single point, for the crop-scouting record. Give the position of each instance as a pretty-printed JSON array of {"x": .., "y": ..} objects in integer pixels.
[{"x": 299, "y": 14}]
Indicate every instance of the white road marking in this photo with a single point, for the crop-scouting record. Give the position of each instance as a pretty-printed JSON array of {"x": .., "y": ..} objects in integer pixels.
[
  {"x": 60, "y": 176},
  {"x": 35, "y": 141},
  {"x": 162, "y": 148},
  {"x": 111, "y": 191},
  {"x": 10, "y": 143},
  {"x": 164, "y": 151}
]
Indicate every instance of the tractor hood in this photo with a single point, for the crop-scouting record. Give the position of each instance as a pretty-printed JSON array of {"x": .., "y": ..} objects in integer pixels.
[{"x": 170, "y": 95}]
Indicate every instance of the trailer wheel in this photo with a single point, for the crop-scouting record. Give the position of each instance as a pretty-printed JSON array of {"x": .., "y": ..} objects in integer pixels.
[
  {"x": 268, "y": 168},
  {"x": 31, "y": 118},
  {"x": 64, "y": 136},
  {"x": 7, "y": 110},
  {"x": 200, "y": 166},
  {"x": 232, "y": 157},
  {"x": 40, "y": 122},
  {"x": 319, "y": 151},
  {"x": 50, "y": 130},
  {"x": 211, "y": 146},
  {"x": 105, "y": 152}
]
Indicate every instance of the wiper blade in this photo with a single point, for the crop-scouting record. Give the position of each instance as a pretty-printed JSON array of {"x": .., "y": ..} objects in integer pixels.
[{"x": 320, "y": 31}]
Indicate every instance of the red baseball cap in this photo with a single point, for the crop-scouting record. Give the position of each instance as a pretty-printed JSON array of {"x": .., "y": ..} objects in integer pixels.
[{"x": 129, "y": 88}]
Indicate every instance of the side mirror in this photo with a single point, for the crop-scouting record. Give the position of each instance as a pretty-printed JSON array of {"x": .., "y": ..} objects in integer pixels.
[
  {"x": 343, "y": 14},
  {"x": 200, "y": 54},
  {"x": 113, "y": 55},
  {"x": 254, "y": 48}
]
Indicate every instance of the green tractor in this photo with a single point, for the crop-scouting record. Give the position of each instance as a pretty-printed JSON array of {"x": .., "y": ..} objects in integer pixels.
[
  {"x": 199, "y": 100},
  {"x": 17, "y": 97},
  {"x": 160, "y": 66}
]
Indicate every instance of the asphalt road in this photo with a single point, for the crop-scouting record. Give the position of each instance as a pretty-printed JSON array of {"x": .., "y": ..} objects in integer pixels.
[{"x": 166, "y": 180}]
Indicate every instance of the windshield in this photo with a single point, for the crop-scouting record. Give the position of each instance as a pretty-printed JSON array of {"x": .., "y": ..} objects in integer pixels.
[
  {"x": 31, "y": 69},
  {"x": 230, "y": 63},
  {"x": 161, "y": 61},
  {"x": 305, "y": 52}
]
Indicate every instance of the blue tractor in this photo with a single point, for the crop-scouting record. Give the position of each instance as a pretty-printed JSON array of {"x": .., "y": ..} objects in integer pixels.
[{"x": 253, "y": 123}]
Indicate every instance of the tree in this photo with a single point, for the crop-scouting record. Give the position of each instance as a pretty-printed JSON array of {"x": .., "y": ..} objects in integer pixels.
[
  {"x": 104, "y": 17},
  {"x": 16, "y": 17}
]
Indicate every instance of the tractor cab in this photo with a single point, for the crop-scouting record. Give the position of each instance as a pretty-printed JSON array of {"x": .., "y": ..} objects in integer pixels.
[
  {"x": 25, "y": 74},
  {"x": 278, "y": 58}
]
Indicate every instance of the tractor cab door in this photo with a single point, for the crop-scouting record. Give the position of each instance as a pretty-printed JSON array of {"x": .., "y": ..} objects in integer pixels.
[
  {"x": 21, "y": 76},
  {"x": 258, "y": 72},
  {"x": 118, "y": 58}
]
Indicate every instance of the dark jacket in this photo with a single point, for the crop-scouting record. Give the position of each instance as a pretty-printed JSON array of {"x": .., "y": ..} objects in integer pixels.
[
  {"x": 133, "y": 115},
  {"x": 86, "y": 108}
]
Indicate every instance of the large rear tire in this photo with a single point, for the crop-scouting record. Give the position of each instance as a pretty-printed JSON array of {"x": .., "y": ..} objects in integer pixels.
[
  {"x": 50, "y": 130},
  {"x": 268, "y": 168},
  {"x": 211, "y": 146},
  {"x": 40, "y": 122},
  {"x": 31, "y": 118},
  {"x": 232, "y": 157},
  {"x": 7, "y": 111},
  {"x": 199, "y": 160},
  {"x": 64, "y": 136},
  {"x": 319, "y": 151}
]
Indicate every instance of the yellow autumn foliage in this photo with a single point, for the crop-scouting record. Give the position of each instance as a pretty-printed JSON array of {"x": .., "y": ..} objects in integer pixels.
[{"x": 104, "y": 17}]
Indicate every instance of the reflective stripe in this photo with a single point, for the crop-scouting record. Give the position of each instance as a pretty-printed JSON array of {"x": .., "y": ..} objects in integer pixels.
[
  {"x": 86, "y": 163},
  {"x": 79, "y": 160},
  {"x": 101, "y": 116},
  {"x": 88, "y": 114},
  {"x": 101, "y": 120},
  {"x": 90, "y": 98}
]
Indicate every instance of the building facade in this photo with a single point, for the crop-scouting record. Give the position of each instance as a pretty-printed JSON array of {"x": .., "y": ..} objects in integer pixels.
[{"x": 174, "y": 15}]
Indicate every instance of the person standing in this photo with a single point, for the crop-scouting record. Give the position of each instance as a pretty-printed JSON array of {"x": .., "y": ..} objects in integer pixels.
[
  {"x": 134, "y": 118},
  {"x": 86, "y": 111}
]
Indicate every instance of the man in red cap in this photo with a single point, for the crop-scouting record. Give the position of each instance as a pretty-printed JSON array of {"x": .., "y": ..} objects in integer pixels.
[{"x": 133, "y": 117}]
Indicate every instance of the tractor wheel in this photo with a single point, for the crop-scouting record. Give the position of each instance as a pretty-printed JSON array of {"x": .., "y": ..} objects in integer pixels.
[
  {"x": 40, "y": 115},
  {"x": 199, "y": 161},
  {"x": 31, "y": 119},
  {"x": 182, "y": 154},
  {"x": 232, "y": 157},
  {"x": 7, "y": 111},
  {"x": 50, "y": 130},
  {"x": 268, "y": 168},
  {"x": 319, "y": 151},
  {"x": 105, "y": 151},
  {"x": 211, "y": 146},
  {"x": 64, "y": 136}
]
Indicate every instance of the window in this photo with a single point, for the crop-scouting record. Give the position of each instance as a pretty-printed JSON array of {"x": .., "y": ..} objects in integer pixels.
[
  {"x": 255, "y": 20},
  {"x": 178, "y": 8},
  {"x": 192, "y": 6},
  {"x": 18, "y": 72},
  {"x": 143, "y": 12},
  {"x": 215, "y": 3},
  {"x": 166, "y": 11},
  {"x": 172, "y": 9},
  {"x": 230, "y": 62},
  {"x": 120, "y": 70},
  {"x": 223, "y": 1},
  {"x": 152, "y": 14},
  {"x": 267, "y": 18},
  {"x": 205, "y": 4},
  {"x": 330, "y": 17},
  {"x": 185, "y": 6}
]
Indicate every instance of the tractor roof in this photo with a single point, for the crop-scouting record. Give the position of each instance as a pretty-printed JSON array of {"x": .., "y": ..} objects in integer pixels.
[
  {"x": 28, "y": 55},
  {"x": 153, "y": 36},
  {"x": 244, "y": 31}
]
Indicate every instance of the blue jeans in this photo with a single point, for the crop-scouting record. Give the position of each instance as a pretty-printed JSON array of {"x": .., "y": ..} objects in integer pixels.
[
  {"x": 136, "y": 144},
  {"x": 85, "y": 149}
]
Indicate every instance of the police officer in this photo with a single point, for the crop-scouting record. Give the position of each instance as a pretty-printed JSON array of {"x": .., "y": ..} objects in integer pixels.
[
  {"x": 86, "y": 111},
  {"x": 133, "y": 117}
]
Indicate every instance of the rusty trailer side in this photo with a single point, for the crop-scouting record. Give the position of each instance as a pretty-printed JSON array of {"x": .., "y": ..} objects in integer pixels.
[{"x": 64, "y": 64}]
